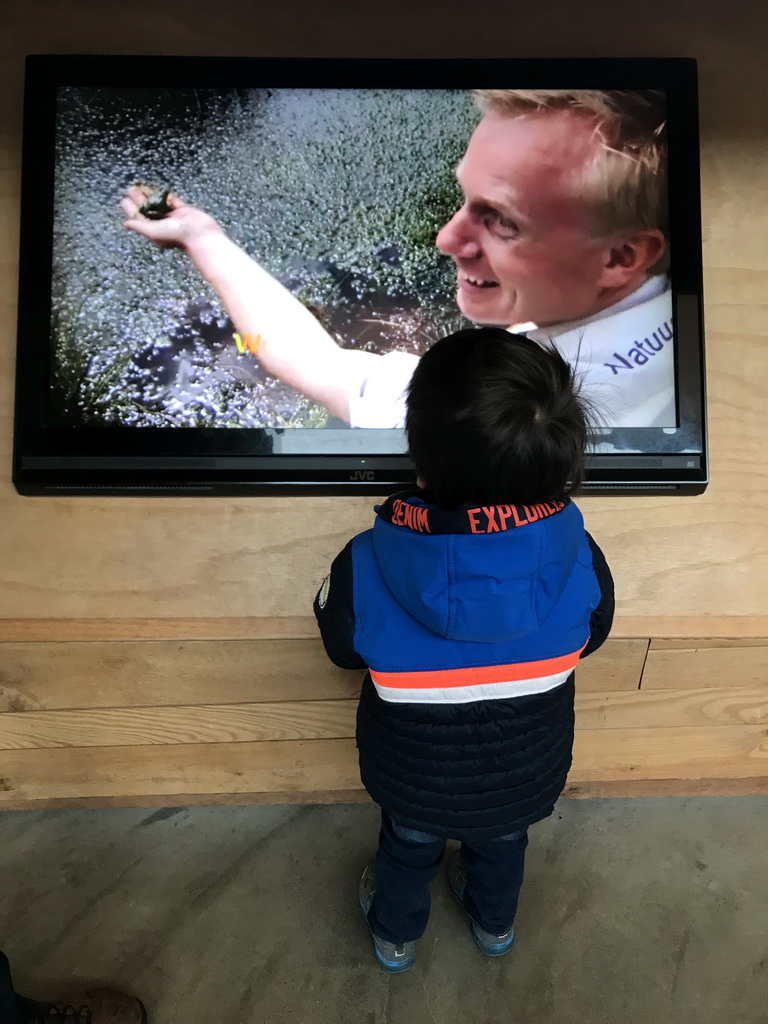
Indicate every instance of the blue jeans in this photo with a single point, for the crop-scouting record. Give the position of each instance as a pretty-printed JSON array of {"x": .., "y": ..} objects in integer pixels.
[{"x": 408, "y": 860}]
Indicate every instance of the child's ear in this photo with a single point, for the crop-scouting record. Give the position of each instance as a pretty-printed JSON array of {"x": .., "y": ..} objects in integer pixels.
[{"x": 420, "y": 482}]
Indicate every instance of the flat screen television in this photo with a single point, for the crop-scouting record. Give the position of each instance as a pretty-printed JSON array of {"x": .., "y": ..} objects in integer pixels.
[{"x": 229, "y": 267}]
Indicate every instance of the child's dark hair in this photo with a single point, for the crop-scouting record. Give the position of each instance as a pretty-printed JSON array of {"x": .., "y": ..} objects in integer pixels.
[{"x": 493, "y": 418}]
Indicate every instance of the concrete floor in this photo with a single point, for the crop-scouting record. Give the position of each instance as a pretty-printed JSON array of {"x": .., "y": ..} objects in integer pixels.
[{"x": 634, "y": 911}]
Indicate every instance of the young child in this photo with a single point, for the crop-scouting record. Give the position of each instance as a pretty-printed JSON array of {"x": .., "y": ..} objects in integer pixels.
[{"x": 469, "y": 602}]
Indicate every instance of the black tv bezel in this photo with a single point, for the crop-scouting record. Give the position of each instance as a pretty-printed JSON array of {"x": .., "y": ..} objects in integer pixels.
[{"x": 199, "y": 461}]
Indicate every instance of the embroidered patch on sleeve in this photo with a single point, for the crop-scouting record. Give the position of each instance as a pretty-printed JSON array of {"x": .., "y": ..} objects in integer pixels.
[{"x": 322, "y": 597}]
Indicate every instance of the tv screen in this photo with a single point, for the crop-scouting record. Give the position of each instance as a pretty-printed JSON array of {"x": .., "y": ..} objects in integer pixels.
[{"x": 230, "y": 268}]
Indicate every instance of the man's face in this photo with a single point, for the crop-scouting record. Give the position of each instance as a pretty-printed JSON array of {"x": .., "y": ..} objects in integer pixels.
[{"x": 521, "y": 241}]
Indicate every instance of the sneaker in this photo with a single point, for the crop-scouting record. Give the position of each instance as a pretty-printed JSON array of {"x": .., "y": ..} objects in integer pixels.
[
  {"x": 491, "y": 945},
  {"x": 394, "y": 957},
  {"x": 100, "y": 1006}
]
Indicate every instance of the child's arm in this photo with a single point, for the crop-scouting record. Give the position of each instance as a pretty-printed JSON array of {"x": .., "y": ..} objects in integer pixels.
[
  {"x": 293, "y": 346},
  {"x": 335, "y": 613},
  {"x": 601, "y": 619}
]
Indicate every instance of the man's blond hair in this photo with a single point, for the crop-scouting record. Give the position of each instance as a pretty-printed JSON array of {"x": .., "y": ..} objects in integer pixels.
[{"x": 625, "y": 185}]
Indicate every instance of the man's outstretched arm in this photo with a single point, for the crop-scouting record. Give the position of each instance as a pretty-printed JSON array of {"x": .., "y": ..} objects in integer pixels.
[{"x": 294, "y": 346}]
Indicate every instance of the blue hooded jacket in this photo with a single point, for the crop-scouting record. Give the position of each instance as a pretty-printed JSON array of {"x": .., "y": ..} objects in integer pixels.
[
  {"x": 470, "y": 624},
  {"x": 482, "y": 603}
]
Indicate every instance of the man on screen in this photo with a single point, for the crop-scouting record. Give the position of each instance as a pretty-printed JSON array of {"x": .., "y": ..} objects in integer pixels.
[{"x": 562, "y": 235}]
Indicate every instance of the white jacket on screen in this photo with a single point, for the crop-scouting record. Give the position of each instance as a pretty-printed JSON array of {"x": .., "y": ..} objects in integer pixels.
[{"x": 624, "y": 356}]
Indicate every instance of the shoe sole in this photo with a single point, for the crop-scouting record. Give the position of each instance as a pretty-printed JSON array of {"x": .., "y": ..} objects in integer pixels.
[
  {"x": 489, "y": 950},
  {"x": 389, "y": 966}
]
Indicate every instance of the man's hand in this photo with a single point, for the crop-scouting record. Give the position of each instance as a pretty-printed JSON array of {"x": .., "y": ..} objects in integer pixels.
[{"x": 180, "y": 229}]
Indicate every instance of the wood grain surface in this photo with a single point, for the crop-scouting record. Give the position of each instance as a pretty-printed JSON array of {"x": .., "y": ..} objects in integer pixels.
[
  {"x": 335, "y": 719},
  {"x": 37, "y": 677},
  {"x": 180, "y": 772},
  {"x": 222, "y": 721},
  {"x": 718, "y": 667}
]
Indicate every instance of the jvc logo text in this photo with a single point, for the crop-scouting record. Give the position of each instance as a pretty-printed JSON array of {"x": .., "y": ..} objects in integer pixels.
[{"x": 362, "y": 474}]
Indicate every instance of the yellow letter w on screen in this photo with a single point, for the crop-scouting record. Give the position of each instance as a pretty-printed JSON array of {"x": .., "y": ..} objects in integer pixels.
[{"x": 250, "y": 342}]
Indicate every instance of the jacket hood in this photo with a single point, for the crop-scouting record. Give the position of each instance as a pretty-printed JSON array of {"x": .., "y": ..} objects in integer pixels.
[{"x": 487, "y": 575}]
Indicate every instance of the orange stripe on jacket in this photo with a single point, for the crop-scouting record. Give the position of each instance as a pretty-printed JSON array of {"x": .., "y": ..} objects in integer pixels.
[{"x": 476, "y": 675}]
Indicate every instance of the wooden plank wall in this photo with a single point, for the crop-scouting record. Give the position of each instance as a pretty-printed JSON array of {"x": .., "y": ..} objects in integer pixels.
[
  {"x": 159, "y": 722},
  {"x": 160, "y": 650}
]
